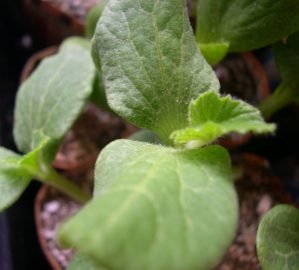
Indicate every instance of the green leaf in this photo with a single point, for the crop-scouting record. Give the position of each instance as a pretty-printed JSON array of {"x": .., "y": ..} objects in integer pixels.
[
  {"x": 51, "y": 99},
  {"x": 246, "y": 24},
  {"x": 81, "y": 262},
  {"x": 212, "y": 116},
  {"x": 151, "y": 65},
  {"x": 214, "y": 52},
  {"x": 278, "y": 239},
  {"x": 157, "y": 208},
  {"x": 13, "y": 179},
  {"x": 38, "y": 161}
]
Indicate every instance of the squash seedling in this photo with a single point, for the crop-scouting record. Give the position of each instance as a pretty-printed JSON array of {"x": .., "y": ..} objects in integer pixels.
[
  {"x": 155, "y": 206},
  {"x": 170, "y": 205}
]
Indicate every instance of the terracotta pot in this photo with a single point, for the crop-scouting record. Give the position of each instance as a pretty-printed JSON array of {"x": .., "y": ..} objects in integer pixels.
[{"x": 242, "y": 76}]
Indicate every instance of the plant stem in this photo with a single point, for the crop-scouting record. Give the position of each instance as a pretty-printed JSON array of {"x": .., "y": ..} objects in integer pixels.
[
  {"x": 54, "y": 179},
  {"x": 282, "y": 96}
]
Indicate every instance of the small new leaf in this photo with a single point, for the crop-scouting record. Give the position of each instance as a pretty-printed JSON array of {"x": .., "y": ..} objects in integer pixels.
[
  {"x": 13, "y": 178},
  {"x": 278, "y": 239},
  {"x": 157, "y": 208},
  {"x": 51, "y": 99},
  {"x": 151, "y": 65},
  {"x": 212, "y": 116}
]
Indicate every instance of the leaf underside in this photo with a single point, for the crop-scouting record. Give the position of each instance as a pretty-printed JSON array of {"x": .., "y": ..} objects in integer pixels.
[
  {"x": 156, "y": 208},
  {"x": 13, "y": 180},
  {"x": 278, "y": 239},
  {"x": 246, "y": 24},
  {"x": 51, "y": 99},
  {"x": 212, "y": 116},
  {"x": 150, "y": 62}
]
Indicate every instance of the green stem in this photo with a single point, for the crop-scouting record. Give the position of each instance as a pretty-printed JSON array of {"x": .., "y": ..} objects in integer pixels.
[
  {"x": 282, "y": 96},
  {"x": 54, "y": 179}
]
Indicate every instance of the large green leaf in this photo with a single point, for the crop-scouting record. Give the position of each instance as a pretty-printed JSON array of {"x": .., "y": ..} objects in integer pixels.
[
  {"x": 157, "y": 208},
  {"x": 278, "y": 239},
  {"x": 212, "y": 116},
  {"x": 246, "y": 24},
  {"x": 150, "y": 62},
  {"x": 53, "y": 96},
  {"x": 13, "y": 179}
]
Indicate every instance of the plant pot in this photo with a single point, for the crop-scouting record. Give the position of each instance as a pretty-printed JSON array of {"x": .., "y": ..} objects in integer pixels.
[
  {"x": 242, "y": 76},
  {"x": 259, "y": 190}
]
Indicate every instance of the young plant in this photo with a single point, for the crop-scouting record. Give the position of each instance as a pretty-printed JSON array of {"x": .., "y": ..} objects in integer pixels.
[
  {"x": 47, "y": 105},
  {"x": 242, "y": 25},
  {"x": 170, "y": 206}
]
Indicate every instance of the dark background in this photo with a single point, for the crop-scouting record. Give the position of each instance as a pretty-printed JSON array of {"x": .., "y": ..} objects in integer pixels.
[{"x": 19, "y": 249}]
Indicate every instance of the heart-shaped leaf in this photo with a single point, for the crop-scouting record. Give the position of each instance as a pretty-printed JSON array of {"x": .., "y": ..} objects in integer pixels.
[
  {"x": 245, "y": 24},
  {"x": 212, "y": 116},
  {"x": 157, "y": 208},
  {"x": 278, "y": 239},
  {"x": 150, "y": 62},
  {"x": 51, "y": 99}
]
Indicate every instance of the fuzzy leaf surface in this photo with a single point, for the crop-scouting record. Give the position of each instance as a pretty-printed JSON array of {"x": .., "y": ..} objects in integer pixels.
[
  {"x": 278, "y": 239},
  {"x": 51, "y": 99},
  {"x": 13, "y": 179},
  {"x": 212, "y": 116},
  {"x": 151, "y": 65},
  {"x": 157, "y": 208},
  {"x": 246, "y": 24}
]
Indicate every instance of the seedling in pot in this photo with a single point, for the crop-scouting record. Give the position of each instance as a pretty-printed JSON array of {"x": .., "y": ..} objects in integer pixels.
[
  {"x": 170, "y": 206},
  {"x": 47, "y": 105}
]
